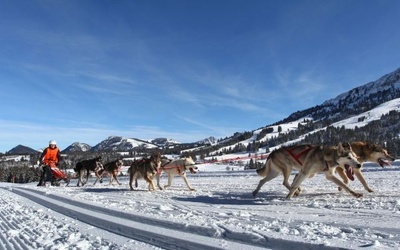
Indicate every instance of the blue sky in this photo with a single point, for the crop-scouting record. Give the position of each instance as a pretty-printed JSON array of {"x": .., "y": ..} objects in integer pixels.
[{"x": 80, "y": 71}]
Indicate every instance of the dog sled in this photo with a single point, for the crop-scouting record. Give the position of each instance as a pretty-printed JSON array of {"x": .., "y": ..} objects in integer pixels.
[{"x": 57, "y": 175}]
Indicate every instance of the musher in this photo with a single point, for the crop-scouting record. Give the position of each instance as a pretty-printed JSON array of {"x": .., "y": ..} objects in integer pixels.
[{"x": 51, "y": 156}]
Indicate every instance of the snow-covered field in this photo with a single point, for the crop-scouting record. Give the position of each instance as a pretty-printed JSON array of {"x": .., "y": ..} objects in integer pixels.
[{"x": 220, "y": 214}]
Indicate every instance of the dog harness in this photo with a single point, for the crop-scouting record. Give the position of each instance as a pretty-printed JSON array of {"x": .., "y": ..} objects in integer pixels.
[
  {"x": 301, "y": 153},
  {"x": 178, "y": 171},
  {"x": 298, "y": 155}
]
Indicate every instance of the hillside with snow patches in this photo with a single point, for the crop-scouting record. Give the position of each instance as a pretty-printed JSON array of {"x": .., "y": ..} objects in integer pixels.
[
  {"x": 349, "y": 123},
  {"x": 355, "y": 101},
  {"x": 370, "y": 115}
]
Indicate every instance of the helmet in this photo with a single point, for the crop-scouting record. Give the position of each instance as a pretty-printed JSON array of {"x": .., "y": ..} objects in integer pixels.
[{"x": 52, "y": 142}]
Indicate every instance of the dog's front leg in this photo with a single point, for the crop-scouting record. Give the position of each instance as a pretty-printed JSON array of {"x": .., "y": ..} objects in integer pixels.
[
  {"x": 186, "y": 181},
  {"x": 169, "y": 181},
  {"x": 97, "y": 178},
  {"x": 343, "y": 175},
  {"x": 152, "y": 187},
  {"x": 360, "y": 177},
  {"x": 286, "y": 174},
  {"x": 299, "y": 178},
  {"x": 330, "y": 176},
  {"x": 116, "y": 178},
  {"x": 295, "y": 189},
  {"x": 158, "y": 180}
]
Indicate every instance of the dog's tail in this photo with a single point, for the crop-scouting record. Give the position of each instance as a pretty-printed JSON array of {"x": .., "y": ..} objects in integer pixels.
[
  {"x": 265, "y": 169},
  {"x": 261, "y": 170},
  {"x": 77, "y": 167}
]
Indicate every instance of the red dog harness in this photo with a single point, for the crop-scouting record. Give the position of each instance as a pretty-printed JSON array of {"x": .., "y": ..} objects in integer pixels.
[
  {"x": 298, "y": 155},
  {"x": 178, "y": 171},
  {"x": 301, "y": 153}
]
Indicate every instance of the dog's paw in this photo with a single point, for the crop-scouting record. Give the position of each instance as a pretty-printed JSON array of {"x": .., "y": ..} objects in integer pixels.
[{"x": 297, "y": 192}]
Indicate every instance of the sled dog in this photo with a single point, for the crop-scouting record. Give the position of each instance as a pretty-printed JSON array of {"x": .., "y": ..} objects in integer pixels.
[
  {"x": 309, "y": 160},
  {"x": 146, "y": 168},
  {"x": 176, "y": 167},
  {"x": 81, "y": 167},
  {"x": 366, "y": 152},
  {"x": 112, "y": 168}
]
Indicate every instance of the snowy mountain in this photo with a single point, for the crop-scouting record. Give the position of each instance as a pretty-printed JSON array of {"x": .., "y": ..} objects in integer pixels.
[
  {"x": 118, "y": 143},
  {"x": 77, "y": 147},
  {"x": 164, "y": 142},
  {"x": 21, "y": 149},
  {"x": 355, "y": 101},
  {"x": 208, "y": 141}
]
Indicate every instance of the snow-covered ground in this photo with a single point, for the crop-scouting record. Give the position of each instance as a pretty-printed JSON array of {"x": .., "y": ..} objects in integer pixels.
[{"x": 220, "y": 214}]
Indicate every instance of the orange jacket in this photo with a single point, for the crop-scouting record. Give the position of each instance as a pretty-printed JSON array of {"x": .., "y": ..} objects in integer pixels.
[{"x": 50, "y": 155}]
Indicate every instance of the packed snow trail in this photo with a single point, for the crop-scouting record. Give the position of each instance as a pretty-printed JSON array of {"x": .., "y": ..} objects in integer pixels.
[
  {"x": 161, "y": 233},
  {"x": 128, "y": 225},
  {"x": 27, "y": 225},
  {"x": 221, "y": 214}
]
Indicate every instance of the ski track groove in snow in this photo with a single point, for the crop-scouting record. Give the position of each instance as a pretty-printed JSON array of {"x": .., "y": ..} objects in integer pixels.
[
  {"x": 166, "y": 237},
  {"x": 26, "y": 228}
]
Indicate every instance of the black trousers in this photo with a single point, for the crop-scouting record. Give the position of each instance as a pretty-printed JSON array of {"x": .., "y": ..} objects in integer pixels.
[{"x": 45, "y": 176}]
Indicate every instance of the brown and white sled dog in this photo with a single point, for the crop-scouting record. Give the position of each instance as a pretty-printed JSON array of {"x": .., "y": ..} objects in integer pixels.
[
  {"x": 309, "y": 160},
  {"x": 146, "y": 168},
  {"x": 176, "y": 167},
  {"x": 366, "y": 152},
  {"x": 112, "y": 168}
]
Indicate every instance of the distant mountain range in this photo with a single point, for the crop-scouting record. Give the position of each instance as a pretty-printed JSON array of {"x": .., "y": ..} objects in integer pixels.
[
  {"x": 21, "y": 150},
  {"x": 374, "y": 107},
  {"x": 112, "y": 143}
]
